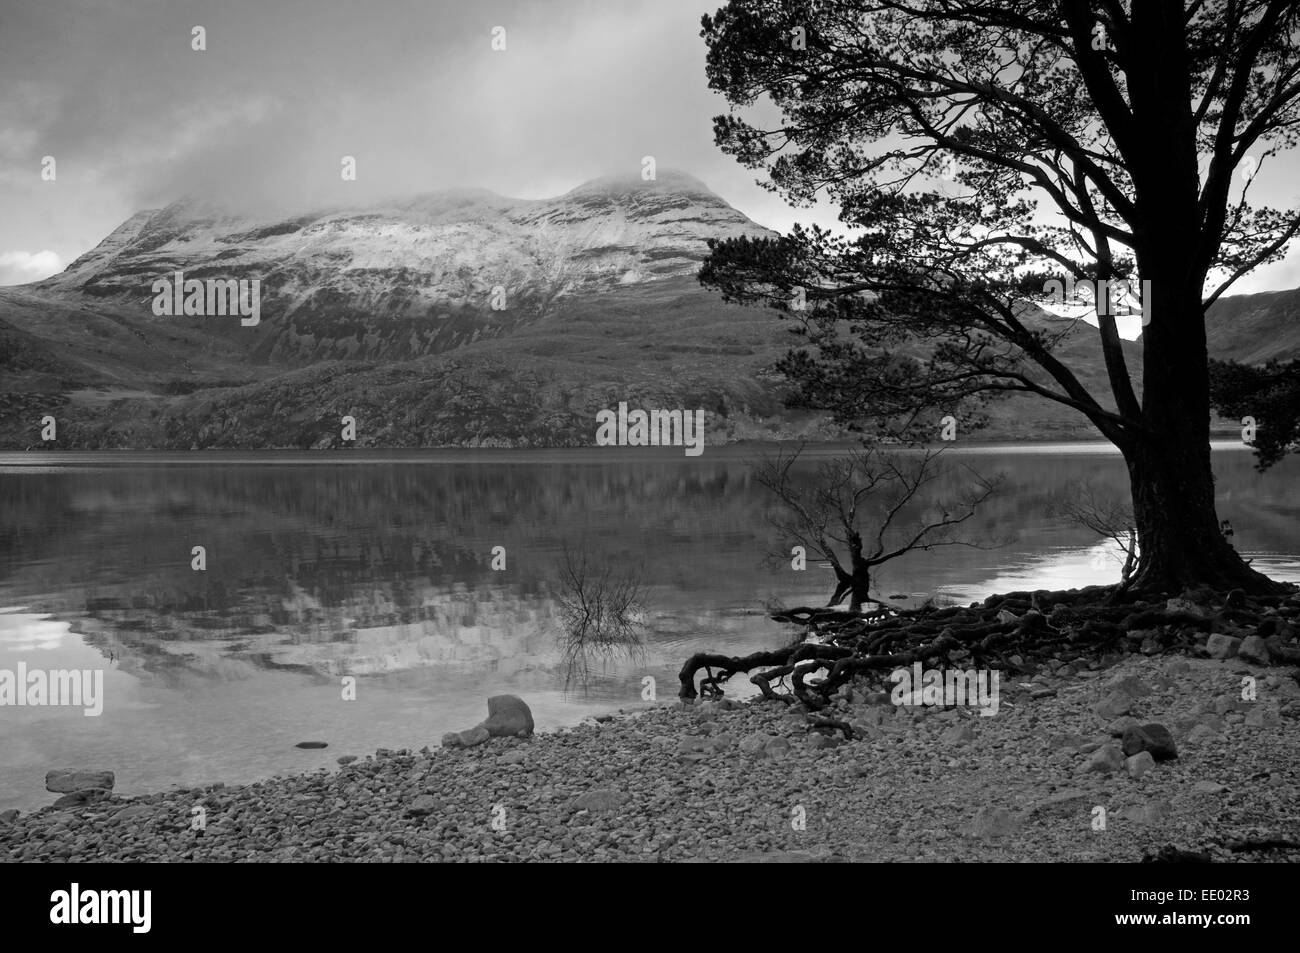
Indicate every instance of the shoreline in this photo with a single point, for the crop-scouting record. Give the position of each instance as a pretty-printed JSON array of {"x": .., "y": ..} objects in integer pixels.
[
  {"x": 459, "y": 455},
  {"x": 727, "y": 781}
]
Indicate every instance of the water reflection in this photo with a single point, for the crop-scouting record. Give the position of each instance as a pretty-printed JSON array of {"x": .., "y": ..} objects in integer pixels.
[{"x": 382, "y": 571}]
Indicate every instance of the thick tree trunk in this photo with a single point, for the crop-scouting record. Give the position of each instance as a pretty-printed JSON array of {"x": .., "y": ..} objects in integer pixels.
[
  {"x": 1180, "y": 543},
  {"x": 1168, "y": 449},
  {"x": 860, "y": 588},
  {"x": 855, "y": 585}
]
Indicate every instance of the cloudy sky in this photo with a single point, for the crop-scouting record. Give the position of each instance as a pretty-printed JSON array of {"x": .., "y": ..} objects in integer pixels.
[{"x": 412, "y": 88}]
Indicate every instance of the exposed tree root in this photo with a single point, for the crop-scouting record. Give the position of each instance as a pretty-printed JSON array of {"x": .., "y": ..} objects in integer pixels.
[{"x": 1007, "y": 632}]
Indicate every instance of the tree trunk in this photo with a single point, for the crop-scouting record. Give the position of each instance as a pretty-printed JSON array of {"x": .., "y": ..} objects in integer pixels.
[
  {"x": 855, "y": 585},
  {"x": 860, "y": 590},
  {"x": 1168, "y": 452},
  {"x": 1180, "y": 544}
]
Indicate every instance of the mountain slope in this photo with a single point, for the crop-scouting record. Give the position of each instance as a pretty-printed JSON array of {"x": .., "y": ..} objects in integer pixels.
[
  {"x": 385, "y": 314},
  {"x": 1255, "y": 328}
]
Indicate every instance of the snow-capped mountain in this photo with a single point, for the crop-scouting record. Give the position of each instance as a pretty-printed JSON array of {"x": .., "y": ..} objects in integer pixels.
[{"x": 415, "y": 277}]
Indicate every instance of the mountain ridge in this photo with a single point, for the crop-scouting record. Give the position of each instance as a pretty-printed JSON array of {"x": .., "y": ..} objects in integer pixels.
[{"x": 387, "y": 311}]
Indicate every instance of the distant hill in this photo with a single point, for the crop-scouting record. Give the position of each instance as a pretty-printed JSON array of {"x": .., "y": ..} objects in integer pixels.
[
  {"x": 1255, "y": 328},
  {"x": 386, "y": 314}
]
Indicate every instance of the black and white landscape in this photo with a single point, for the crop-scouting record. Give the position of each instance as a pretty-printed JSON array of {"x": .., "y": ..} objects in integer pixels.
[{"x": 639, "y": 431}]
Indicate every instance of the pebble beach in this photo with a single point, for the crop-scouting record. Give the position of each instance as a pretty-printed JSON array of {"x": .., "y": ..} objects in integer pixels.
[{"x": 1044, "y": 779}]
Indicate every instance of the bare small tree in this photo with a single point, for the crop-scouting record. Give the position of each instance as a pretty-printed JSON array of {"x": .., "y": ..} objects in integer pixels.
[
  {"x": 1079, "y": 504},
  {"x": 600, "y": 613},
  {"x": 872, "y": 487}
]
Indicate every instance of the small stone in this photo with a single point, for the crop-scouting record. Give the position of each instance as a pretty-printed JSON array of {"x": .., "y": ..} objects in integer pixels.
[
  {"x": 822, "y": 856},
  {"x": 599, "y": 801},
  {"x": 958, "y": 734},
  {"x": 1255, "y": 718},
  {"x": 312, "y": 744},
  {"x": 1104, "y": 760},
  {"x": 721, "y": 742},
  {"x": 423, "y": 804},
  {"x": 1114, "y": 705},
  {"x": 1202, "y": 733},
  {"x": 876, "y": 716},
  {"x": 1151, "y": 813},
  {"x": 512, "y": 757},
  {"x": 993, "y": 821},
  {"x": 1222, "y": 646},
  {"x": 1058, "y": 742},
  {"x": 1132, "y": 686},
  {"x": 9, "y": 816},
  {"x": 1179, "y": 666},
  {"x": 1208, "y": 787},
  {"x": 777, "y": 747},
  {"x": 1121, "y": 725},
  {"x": 131, "y": 812},
  {"x": 1067, "y": 801},
  {"x": 1139, "y": 764},
  {"x": 347, "y": 759},
  {"x": 1186, "y": 607},
  {"x": 466, "y": 739},
  {"x": 1154, "y": 738},
  {"x": 81, "y": 798},
  {"x": 1253, "y": 649}
]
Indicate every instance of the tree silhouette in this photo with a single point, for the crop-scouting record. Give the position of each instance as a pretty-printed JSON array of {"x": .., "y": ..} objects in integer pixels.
[
  {"x": 867, "y": 508},
  {"x": 1092, "y": 143}
]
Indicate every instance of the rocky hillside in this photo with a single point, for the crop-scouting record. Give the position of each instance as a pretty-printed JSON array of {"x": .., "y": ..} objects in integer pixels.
[{"x": 387, "y": 314}]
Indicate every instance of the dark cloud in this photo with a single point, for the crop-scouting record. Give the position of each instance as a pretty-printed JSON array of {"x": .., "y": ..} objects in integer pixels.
[{"x": 412, "y": 88}]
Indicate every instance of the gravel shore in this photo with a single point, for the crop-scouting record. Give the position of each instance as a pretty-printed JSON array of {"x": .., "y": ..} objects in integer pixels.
[{"x": 756, "y": 781}]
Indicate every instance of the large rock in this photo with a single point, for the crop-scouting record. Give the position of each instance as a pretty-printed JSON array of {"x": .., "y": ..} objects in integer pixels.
[
  {"x": 70, "y": 782},
  {"x": 508, "y": 717},
  {"x": 1154, "y": 738}
]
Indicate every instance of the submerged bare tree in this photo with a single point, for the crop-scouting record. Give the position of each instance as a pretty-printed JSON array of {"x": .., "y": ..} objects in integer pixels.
[
  {"x": 1078, "y": 503},
  {"x": 601, "y": 614},
  {"x": 866, "y": 508}
]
